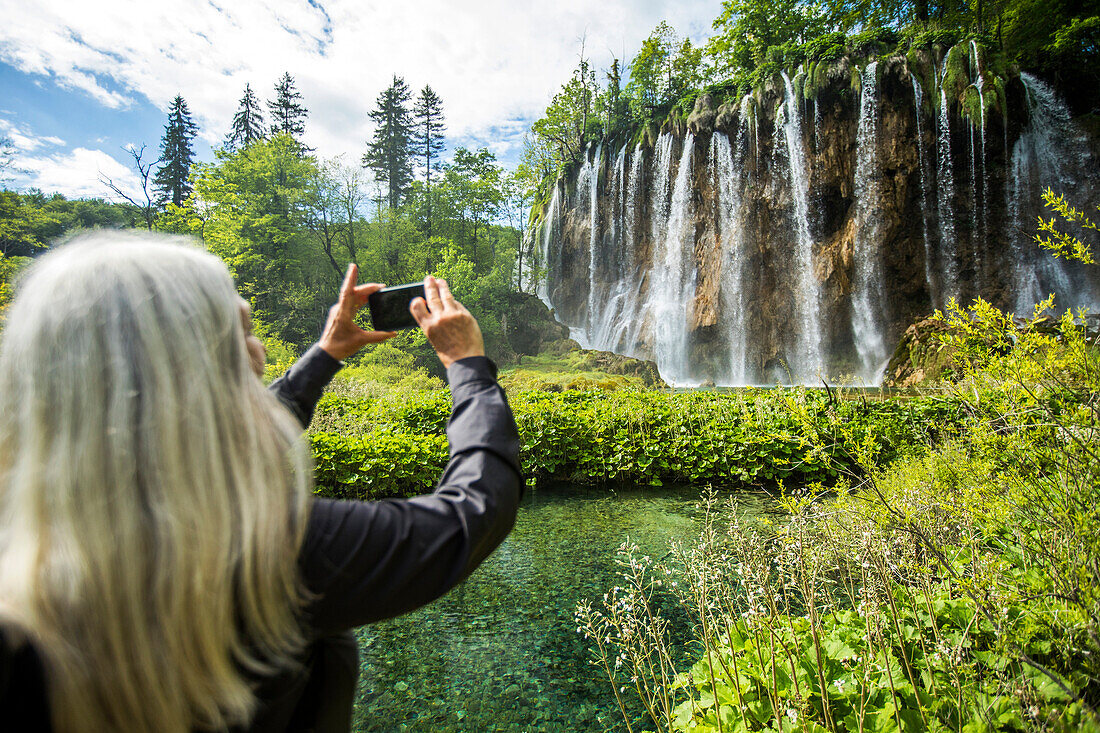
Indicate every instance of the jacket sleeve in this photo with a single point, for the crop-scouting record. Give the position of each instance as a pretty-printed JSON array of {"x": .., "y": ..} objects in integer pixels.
[
  {"x": 302, "y": 385},
  {"x": 367, "y": 561}
]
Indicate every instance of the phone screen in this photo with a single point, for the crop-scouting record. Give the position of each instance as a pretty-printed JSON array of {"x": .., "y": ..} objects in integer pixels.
[{"x": 389, "y": 307}]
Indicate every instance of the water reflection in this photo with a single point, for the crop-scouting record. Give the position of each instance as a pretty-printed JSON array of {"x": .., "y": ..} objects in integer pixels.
[{"x": 501, "y": 652}]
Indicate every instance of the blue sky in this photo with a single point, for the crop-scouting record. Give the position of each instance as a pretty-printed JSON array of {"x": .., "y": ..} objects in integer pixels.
[{"x": 80, "y": 82}]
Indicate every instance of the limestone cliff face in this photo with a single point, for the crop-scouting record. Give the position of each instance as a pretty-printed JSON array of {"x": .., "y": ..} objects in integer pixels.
[{"x": 795, "y": 235}]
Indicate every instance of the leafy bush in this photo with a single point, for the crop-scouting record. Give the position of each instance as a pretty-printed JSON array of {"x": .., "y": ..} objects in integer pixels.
[
  {"x": 377, "y": 465},
  {"x": 826, "y": 47},
  {"x": 752, "y": 437}
]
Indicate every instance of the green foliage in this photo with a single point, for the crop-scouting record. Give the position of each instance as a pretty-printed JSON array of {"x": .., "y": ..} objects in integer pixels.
[
  {"x": 288, "y": 114},
  {"x": 1063, "y": 244},
  {"x": 248, "y": 122},
  {"x": 32, "y": 221},
  {"x": 390, "y": 152},
  {"x": 571, "y": 119},
  {"x": 9, "y": 270},
  {"x": 376, "y": 465},
  {"x": 754, "y": 437},
  {"x": 665, "y": 69}
]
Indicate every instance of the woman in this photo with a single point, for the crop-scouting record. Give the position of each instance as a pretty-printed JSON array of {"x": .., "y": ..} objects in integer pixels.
[{"x": 163, "y": 566}]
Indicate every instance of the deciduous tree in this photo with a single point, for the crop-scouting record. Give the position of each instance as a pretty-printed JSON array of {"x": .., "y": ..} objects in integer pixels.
[{"x": 145, "y": 201}]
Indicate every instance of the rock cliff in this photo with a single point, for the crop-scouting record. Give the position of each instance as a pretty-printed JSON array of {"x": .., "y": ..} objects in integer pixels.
[{"x": 794, "y": 234}]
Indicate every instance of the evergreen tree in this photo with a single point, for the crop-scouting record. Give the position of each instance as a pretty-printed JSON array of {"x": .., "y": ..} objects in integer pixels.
[
  {"x": 288, "y": 114},
  {"x": 428, "y": 138},
  {"x": 248, "y": 123},
  {"x": 389, "y": 154},
  {"x": 176, "y": 155}
]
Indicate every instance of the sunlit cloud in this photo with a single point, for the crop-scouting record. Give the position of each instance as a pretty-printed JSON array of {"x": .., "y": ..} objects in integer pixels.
[
  {"x": 24, "y": 140},
  {"x": 495, "y": 63},
  {"x": 75, "y": 173}
]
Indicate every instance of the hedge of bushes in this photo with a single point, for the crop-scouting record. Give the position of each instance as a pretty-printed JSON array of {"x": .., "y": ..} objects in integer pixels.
[{"x": 395, "y": 446}]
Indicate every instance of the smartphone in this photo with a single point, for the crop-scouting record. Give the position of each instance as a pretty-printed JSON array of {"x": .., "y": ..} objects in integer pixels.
[{"x": 389, "y": 307}]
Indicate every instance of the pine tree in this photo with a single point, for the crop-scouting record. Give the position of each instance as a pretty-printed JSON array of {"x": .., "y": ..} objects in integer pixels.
[
  {"x": 288, "y": 114},
  {"x": 248, "y": 123},
  {"x": 176, "y": 155},
  {"x": 428, "y": 138},
  {"x": 389, "y": 154}
]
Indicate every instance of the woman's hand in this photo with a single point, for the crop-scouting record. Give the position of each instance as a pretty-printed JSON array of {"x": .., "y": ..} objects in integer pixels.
[
  {"x": 454, "y": 333},
  {"x": 342, "y": 336}
]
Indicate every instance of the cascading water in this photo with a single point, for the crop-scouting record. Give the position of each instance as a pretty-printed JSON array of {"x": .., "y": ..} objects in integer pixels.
[
  {"x": 978, "y": 173},
  {"x": 868, "y": 300},
  {"x": 929, "y": 275},
  {"x": 726, "y": 167},
  {"x": 672, "y": 283},
  {"x": 1042, "y": 157},
  {"x": 611, "y": 315},
  {"x": 591, "y": 173},
  {"x": 810, "y": 363},
  {"x": 550, "y": 240},
  {"x": 945, "y": 204}
]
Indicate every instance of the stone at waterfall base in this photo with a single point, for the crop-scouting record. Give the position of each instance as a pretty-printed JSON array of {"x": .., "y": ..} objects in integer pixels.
[{"x": 920, "y": 358}]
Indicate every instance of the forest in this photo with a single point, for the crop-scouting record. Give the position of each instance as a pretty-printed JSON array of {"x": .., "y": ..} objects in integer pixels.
[{"x": 287, "y": 222}]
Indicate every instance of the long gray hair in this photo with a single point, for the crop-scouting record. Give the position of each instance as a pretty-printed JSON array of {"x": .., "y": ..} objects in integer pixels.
[{"x": 152, "y": 492}]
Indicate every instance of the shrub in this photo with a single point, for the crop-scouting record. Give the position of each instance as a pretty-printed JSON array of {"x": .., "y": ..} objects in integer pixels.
[
  {"x": 377, "y": 465},
  {"x": 748, "y": 438}
]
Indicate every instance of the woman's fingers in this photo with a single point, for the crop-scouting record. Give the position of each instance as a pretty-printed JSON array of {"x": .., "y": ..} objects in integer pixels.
[
  {"x": 419, "y": 309},
  {"x": 347, "y": 288},
  {"x": 431, "y": 294},
  {"x": 445, "y": 293},
  {"x": 374, "y": 337}
]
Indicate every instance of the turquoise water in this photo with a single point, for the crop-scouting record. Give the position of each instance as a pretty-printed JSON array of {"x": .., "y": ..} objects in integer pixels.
[{"x": 501, "y": 651}]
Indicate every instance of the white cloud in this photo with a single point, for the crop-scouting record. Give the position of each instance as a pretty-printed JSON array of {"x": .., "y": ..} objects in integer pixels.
[
  {"x": 494, "y": 62},
  {"x": 75, "y": 173},
  {"x": 23, "y": 139}
]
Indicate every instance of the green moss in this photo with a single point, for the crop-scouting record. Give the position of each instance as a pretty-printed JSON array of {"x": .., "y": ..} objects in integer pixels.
[
  {"x": 798, "y": 84},
  {"x": 956, "y": 76}
]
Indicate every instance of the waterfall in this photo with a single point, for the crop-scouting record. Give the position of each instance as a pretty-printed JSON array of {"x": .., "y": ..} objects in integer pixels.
[
  {"x": 1041, "y": 158},
  {"x": 617, "y": 305},
  {"x": 671, "y": 287},
  {"x": 727, "y": 181},
  {"x": 810, "y": 363},
  {"x": 625, "y": 329},
  {"x": 929, "y": 275},
  {"x": 748, "y": 112},
  {"x": 551, "y": 235},
  {"x": 945, "y": 203},
  {"x": 868, "y": 299},
  {"x": 591, "y": 173},
  {"x": 731, "y": 253}
]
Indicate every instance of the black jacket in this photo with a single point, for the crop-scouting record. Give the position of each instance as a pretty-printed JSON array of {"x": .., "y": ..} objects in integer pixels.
[{"x": 362, "y": 561}]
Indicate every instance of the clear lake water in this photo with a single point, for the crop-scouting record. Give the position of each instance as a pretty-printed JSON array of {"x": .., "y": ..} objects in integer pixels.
[{"x": 501, "y": 651}]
